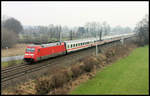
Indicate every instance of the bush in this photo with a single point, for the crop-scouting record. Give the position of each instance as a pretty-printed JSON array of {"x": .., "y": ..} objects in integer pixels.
[
  {"x": 46, "y": 84},
  {"x": 89, "y": 64},
  {"x": 60, "y": 78},
  {"x": 76, "y": 70},
  {"x": 43, "y": 85},
  {"x": 101, "y": 57},
  {"x": 102, "y": 60}
]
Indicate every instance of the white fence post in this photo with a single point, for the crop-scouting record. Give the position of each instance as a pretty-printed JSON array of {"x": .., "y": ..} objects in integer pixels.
[
  {"x": 122, "y": 40},
  {"x": 7, "y": 51},
  {"x": 96, "y": 50}
]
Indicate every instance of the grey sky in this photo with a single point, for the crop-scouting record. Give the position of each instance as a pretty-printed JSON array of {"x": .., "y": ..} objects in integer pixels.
[{"x": 76, "y": 13}]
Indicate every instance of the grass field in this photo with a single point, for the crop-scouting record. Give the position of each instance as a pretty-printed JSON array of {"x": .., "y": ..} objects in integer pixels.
[
  {"x": 18, "y": 49},
  {"x": 5, "y": 64},
  {"x": 127, "y": 76}
]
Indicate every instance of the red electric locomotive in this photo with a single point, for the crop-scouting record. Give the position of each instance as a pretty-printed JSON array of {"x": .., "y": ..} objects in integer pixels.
[{"x": 39, "y": 52}]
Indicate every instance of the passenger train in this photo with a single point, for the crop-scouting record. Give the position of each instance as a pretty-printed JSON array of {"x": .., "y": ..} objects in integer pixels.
[{"x": 36, "y": 53}]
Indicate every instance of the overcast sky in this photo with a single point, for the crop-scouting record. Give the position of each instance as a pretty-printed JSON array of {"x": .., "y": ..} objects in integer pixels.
[{"x": 76, "y": 13}]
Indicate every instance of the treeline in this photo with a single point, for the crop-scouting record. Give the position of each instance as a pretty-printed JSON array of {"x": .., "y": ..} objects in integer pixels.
[
  {"x": 142, "y": 30},
  {"x": 52, "y": 33},
  {"x": 13, "y": 32},
  {"x": 60, "y": 33}
]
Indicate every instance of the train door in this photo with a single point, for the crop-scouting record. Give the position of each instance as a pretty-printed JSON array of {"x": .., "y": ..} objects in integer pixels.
[
  {"x": 38, "y": 55},
  {"x": 66, "y": 47}
]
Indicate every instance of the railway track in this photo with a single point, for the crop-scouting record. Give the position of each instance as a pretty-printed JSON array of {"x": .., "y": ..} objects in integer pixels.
[
  {"x": 13, "y": 72},
  {"x": 16, "y": 71}
]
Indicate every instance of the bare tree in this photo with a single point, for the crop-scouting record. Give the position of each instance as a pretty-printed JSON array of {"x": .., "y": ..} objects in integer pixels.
[
  {"x": 13, "y": 25},
  {"x": 142, "y": 29},
  {"x": 71, "y": 34},
  {"x": 106, "y": 28},
  {"x": 8, "y": 38},
  {"x": 81, "y": 32}
]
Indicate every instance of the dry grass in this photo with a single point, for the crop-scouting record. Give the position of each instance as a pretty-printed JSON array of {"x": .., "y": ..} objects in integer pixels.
[
  {"x": 55, "y": 84},
  {"x": 18, "y": 49},
  {"x": 27, "y": 88},
  {"x": 47, "y": 83}
]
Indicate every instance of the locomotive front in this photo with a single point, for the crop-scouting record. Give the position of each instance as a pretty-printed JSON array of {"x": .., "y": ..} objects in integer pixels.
[{"x": 30, "y": 54}]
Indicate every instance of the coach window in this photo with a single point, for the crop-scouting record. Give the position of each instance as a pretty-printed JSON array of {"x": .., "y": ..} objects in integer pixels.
[
  {"x": 71, "y": 45},
  {"x": 68, "y": 46}
]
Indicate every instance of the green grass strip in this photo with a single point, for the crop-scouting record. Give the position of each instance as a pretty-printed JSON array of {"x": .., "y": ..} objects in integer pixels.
[
  {"x": 8, "y": 63},
  {"x": 127, "y": 76}
]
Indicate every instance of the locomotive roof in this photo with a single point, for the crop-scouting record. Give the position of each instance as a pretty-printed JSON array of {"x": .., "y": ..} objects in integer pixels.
[
  {"x": 50, "y": 44},
  {"x": 45, "y": 45},
  {"x": 32, "y": 45}
]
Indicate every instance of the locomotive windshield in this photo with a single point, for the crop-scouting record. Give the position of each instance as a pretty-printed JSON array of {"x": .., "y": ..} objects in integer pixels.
[{"x": 30, "y": 49}]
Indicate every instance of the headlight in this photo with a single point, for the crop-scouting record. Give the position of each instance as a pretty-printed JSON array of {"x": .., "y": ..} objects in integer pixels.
[{"x": 30, "y": 54}]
